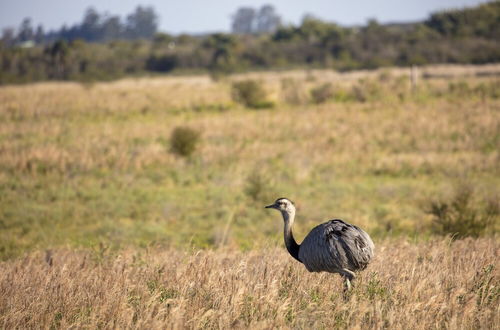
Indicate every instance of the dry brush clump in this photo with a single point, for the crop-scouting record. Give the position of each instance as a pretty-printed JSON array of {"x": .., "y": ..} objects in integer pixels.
[
  {"x": 463, "y": 214},
  {"x": 437, "y": 284},
  {"x": 184, "y": 140},
  {"x": 251, "y": 94}
]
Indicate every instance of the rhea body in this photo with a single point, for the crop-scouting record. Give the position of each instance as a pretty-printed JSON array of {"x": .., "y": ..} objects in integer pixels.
[{"x": 334, "y": 246}]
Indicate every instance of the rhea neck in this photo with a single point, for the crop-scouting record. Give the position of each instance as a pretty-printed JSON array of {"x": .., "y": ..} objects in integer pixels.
[{"x": 290, "y": 243}]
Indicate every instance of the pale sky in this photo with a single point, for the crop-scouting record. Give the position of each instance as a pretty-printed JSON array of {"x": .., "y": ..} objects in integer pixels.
[{"x": 201, "y": 16}]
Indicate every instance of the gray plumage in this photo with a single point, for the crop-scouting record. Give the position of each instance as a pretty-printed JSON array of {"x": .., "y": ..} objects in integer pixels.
[{"x": 334, "y": 246}]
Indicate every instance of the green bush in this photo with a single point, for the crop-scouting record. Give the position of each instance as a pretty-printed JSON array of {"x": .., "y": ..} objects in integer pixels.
[
  {"x": 183, "y": 141},
  {"x": 462, "y": 215},
  {"x": 251, "y": 94},
  {"x": 322, "y": 93}
]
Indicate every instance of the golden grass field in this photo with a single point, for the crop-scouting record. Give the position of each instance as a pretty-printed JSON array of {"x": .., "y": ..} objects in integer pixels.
[
  {"x": 144, "y": 238},
  {"x": 429, "y": 285}
]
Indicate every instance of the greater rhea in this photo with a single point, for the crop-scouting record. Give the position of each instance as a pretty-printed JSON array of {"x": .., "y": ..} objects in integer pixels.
[{"x": 334, "y": 246}]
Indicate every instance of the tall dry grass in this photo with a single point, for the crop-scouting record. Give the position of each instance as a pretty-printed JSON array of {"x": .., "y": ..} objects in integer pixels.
[{"x": 437, "y": 284}]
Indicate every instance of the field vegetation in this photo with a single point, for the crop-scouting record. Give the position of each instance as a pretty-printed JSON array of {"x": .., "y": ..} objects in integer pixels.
[
  {"x": 90, "y": 164},
  {"x": 437, "y": 284},
  {"x": 104, "y": 224},
  {"x": 104, "y": 47}
]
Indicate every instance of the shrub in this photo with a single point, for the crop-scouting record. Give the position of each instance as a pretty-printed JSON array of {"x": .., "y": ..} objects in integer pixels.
[
  {"x": 460, "y": 217},
  {"x": 251, "y": 94},
  {"x": 322, "y": 93},
  {"x": 184, "y": 140},
  {"x": 165, "y": 63}
]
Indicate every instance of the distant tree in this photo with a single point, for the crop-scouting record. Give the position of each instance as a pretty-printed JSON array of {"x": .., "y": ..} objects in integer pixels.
[
  {"x": 142, "y": 24},
  {"x": 58, "y": 54},
  {"x": 25, "y": 31},
  {"x": 268, "y": 20},
  {"x": 111, "y": 29},
  {"x": 63, "y": 33},
  {"x": 247, "y": 20},
  {"x": 223, "y": 49},
  {"x": 467, "y": 35},
  {"x": 39, "y": 35},
  {"x": 8, "y": 36},
  {"x": 95, "y": 27},
  {"x": 90, "y": 28},
  {"x": 243, "y": 21},
  {"x": 313, "y": 29},
  {"x": 483, "y": 20},
  {"x": 286, "y": 33}
]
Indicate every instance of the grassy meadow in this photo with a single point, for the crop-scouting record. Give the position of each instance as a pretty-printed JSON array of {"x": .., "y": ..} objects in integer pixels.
[{"x": 138, "y": 236}]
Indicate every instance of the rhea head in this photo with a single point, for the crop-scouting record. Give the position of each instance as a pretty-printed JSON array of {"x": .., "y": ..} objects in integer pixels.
[{"x": 284, "y": 205}]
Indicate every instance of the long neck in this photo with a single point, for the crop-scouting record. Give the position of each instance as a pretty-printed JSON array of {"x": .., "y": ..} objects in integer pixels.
[{"x": 291, "y": 244}]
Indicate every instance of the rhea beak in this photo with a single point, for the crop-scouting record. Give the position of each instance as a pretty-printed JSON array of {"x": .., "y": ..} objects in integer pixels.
[{"x": 272, "y": 206}]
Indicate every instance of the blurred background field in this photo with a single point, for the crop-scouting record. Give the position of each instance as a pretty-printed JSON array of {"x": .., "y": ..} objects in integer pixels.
[{"x": 95, "y": 164}]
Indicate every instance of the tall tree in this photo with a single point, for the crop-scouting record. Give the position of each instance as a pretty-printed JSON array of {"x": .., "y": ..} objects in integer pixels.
[
  {"x": 243, "y": 21},
  {"x": 111, "y": 29},
  {"x": 268, "y": 20},
  {"x": 39, "y": 35},
  {"x": 142, "y": 24},
  {"x": 8, "y": 37},
  {"x": 25, "y": 31},
  {"x": 90, "y": 27},
  {"x": 58, "y": 53}
]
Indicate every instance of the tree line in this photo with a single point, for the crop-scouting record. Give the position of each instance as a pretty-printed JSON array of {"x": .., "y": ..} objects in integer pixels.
[
  {"x": 95, "y": 27},
  {"x": 99, "y": 49}
]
